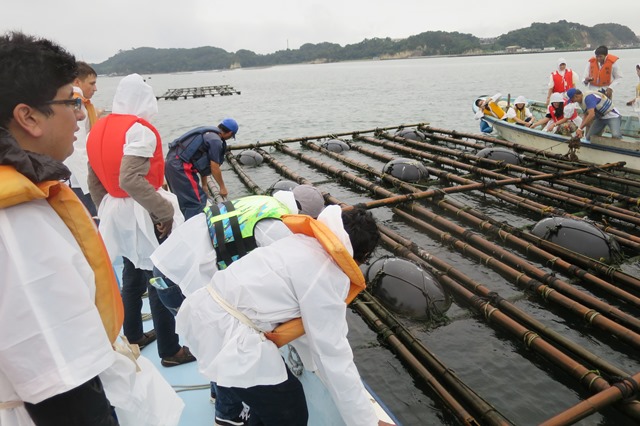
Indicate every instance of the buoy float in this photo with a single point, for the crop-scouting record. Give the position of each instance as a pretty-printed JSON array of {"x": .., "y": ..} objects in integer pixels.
[
  {"x": 406, "y": 169},
  {"x": 406, "y": 289},
  {"x": 579, "y": 236},
  {"x": 335, "y": 145},
  {"x": 249, "y": 157}
]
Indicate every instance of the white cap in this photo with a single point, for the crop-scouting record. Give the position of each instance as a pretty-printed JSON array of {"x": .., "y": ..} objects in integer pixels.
[
  {"x": 520, "y": 100},
  {"x": 556, "y": 97},
  {"x": 310, "y": 200},
  {"x": 562, "y": 61}
]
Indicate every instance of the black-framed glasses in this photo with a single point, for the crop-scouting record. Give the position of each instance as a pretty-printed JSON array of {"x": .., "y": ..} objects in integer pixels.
[{"x": 76, "y": 103}]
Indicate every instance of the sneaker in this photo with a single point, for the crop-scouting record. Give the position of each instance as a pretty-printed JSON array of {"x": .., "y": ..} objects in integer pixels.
[
  {"x": 147, "y": 338},
  {"x": 183, "y": 356},
  {"x": 241, "y": 420}
]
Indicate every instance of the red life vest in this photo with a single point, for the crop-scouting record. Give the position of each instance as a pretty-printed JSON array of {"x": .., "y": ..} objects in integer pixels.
[
  {"x": 601, "y": 75},
  {"x": 562, "y": 83},
  {"x": 551, "y": 110},
  {"x": 105, "y": 146}
]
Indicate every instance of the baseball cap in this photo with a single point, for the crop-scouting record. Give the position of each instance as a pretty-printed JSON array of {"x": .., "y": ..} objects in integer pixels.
[
  {"x": 309, "y": 199},
  {"x": 230, "y": 124},
  {"x": 571, "y": 93}
]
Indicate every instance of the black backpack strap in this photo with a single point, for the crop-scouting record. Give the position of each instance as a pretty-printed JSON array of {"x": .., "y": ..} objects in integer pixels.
[
  {"x": 235, "y": 229},
  {"x": 221, "y": 247}
]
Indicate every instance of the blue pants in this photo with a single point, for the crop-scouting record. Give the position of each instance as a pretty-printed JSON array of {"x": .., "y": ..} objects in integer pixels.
[
  {"x": 184, "y": 181},
  {"x": 86, "y": 200},
  {"x": 271, "y": 405},
  {"x": 599, "y": 124},
  {"x": 134, "y": 283}
]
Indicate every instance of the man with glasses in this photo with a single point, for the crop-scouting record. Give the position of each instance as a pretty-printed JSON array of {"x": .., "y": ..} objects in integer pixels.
[{"x": 60, "y": 309}]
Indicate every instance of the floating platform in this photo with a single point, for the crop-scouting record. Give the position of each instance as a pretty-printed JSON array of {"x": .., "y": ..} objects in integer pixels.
[
  {"x": 198, "y": 92},
  {"x": 537, "y": 333}
]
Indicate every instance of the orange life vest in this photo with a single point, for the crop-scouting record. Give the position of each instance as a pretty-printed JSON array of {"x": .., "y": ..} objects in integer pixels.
[
  {"x": 91, "y": 110},
  {"x": 306, "y": 225},
  {"x": 562, "y": 83},
  {"x": 105, "y": 146},
  {"x": 17, "y": 189},
  {"x": 601, "y": 75}
]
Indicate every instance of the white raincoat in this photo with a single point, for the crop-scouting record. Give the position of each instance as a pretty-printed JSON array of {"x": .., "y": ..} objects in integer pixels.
[
  {"x": 292, "y": 277},
  {"x": 77, "y": 162},
  {"x": 53, "y": 339},
  {"x": 126, "y": 227}
]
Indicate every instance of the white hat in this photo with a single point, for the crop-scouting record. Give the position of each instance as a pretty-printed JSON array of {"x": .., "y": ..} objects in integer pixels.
[
  {"x": 562, "y": 61},
  {"x": 520, "y": 100},
  {"x": 309, "y": 199},
  {"x": 556, "y": 97}
]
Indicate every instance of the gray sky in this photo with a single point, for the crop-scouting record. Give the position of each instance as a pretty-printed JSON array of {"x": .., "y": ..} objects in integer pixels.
[{"x": 96, "y": 30}]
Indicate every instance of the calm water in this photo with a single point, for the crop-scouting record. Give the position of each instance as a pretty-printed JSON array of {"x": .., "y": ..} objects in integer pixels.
[{"x": 307, "y": 100}]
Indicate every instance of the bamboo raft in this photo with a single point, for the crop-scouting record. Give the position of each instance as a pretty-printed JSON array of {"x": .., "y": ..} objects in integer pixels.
[
  {"x": 445, "y": 224},
  {"x": 198, "y": 92}
]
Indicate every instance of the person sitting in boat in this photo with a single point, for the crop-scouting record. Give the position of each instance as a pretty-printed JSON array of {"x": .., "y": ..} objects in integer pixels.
[
  {"x": 562, "y": 116},
  {"x": 602, "y": 72},
  {"x": 489, "y": 107},
  {"x": 635, "y": 102},
  {"x": 236, "y": 324},
  {"x": 599, "y": 112},
  {"x": 562, "y": 79},
  {"x": 519, "y": 113}
]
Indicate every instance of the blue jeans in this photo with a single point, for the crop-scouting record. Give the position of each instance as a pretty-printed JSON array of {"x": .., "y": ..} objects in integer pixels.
[
  {"x": 134, "y": 283},
  {"x": 599, "y": 124},
  {"x": 271, "y": 405},
  {"x": 171, "y": 297}
]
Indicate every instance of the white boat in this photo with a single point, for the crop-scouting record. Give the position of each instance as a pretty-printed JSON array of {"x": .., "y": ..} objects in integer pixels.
[{"x": 601, "y": 149}]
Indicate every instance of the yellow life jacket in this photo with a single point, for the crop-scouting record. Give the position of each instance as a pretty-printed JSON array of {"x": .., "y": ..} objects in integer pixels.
[
  {"x": 17, "y": 189},
  {"x": 493, "y": 109},
  {"x": 306, "y": 225}
]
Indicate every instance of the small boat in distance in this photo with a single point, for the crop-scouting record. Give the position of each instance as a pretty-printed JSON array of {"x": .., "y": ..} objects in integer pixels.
[{"x": 601, "y": 149}]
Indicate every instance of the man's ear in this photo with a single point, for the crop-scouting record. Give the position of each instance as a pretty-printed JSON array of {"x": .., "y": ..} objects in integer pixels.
[{"x": 28, "y": 119}]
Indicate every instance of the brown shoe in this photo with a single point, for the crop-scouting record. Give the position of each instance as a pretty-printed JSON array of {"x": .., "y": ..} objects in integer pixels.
[
  {"x": 147, "y": 338},
  {"x": 183, "y": 356}
]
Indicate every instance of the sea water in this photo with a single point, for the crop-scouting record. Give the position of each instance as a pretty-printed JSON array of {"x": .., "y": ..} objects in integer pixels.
[{"x": 307, "y": 100}]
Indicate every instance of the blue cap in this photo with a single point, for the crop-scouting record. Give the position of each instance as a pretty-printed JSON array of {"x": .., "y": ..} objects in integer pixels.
[
  {"x": 230, "y": 124},
  {"x": 571, "y": 92}
]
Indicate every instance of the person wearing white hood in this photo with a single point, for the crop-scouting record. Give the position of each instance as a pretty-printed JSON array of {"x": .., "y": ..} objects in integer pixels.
[
  {"x": 126, "y": 173},
  {"x": 562, "y": 79},
  {"x": 519, "y": 113}
]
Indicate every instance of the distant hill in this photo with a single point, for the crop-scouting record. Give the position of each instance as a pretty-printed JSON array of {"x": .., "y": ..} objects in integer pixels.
[{"x": 559, "y": 35}]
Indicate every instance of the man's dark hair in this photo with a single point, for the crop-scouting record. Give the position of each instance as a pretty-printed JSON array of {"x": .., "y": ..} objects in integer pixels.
[
  {"x": 85, "y": 70},
  {"x": 602, "y": 50},
  {"x": 31, "y": 72},
  {"x": 363, "y": 232}
]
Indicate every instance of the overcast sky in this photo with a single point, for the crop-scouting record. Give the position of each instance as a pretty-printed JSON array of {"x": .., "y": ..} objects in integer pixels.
[{"x": 95, "y": 30}]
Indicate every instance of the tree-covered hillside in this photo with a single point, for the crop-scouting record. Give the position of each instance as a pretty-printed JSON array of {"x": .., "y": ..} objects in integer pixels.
[{"x": 561, "y": 35}]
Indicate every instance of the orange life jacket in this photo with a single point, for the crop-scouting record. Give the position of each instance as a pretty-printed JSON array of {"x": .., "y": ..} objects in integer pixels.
[
  {"x": 17, "y": 189},
  {"x": 562, "y": 83},
  {"x": 306, "y": 225},
  {"x": 91, "y": 110},
  {"x": 601, "y": 75},
  {"x": 105, "y": 146}
]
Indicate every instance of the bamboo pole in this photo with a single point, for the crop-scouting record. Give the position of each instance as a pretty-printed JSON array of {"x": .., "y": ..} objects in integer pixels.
[
  {"x": 593, "y": 358},
  {"x": 593, "y": 317}
]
